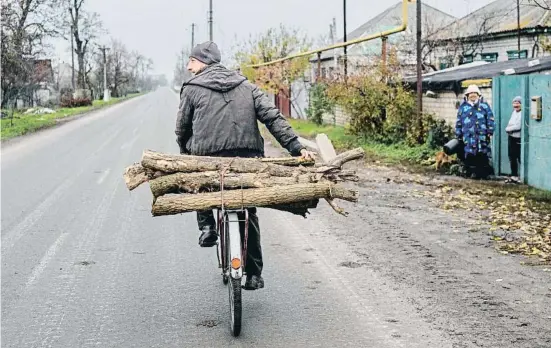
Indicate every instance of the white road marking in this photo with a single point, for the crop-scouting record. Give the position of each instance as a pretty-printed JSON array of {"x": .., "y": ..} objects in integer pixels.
[
  {"x": 28, "y": 222},
  {"x": 37, "y": 271},
  {"x": 103, "y": 175}
]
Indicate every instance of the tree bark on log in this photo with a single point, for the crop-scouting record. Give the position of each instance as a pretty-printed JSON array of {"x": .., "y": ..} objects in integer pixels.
[
  {"x": 347, "y": 156},
  {"x": 210, "y": 181},
  {"x": 169, "y": 163},
  {"x": 187, "y": 164},
  {"x": 136, "y": 174},
  {"x": 256, "y": 197},
  {"x": 155, "y": 165}
]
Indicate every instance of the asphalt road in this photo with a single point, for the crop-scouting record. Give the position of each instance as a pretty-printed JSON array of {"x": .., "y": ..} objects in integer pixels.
[{"x": 84, "y": 263}]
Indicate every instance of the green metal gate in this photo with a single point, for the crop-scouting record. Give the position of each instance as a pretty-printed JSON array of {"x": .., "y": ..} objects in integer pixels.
[{"x": 535, "y": 169}]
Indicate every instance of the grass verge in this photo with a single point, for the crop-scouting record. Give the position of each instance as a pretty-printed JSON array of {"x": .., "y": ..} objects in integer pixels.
[
  {"x": 401, "y": 153},
  {"x": 24, "y": 124}
]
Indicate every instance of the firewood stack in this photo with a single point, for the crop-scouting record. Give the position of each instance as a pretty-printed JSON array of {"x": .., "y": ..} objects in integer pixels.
[{"x": 182, "y": 183}]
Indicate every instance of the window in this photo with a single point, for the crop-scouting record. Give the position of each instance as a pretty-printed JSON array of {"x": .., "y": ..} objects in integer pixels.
[
  {"x": 489, "y": 57},
  {"x": 512, "y": 55},
  {"x": 467, "y": 58},
  {"x": 446, "y": 62}
]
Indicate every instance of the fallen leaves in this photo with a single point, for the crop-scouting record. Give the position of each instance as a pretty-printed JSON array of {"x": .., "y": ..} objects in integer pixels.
[{"x": 517, "y": 226}]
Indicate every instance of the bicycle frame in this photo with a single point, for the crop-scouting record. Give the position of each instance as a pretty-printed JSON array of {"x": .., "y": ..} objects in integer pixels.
[{"x": 229, "y": 225}]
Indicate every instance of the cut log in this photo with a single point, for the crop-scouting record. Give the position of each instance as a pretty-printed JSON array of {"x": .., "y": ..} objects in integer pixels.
[
  {"x": 210, "y": 181},
  {"x": 256, "y": 197},
  {"x": 329, "y": 154},
  {"x": 136, "y": 174},
  {"x": 169, "y": 163},
  {"x": 155, "y": 164},
  {"x": 347, "y": 156},
  {"x": 335, "y": 207}
]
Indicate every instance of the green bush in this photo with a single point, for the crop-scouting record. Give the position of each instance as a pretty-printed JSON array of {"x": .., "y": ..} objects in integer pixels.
[
  {"x": 319, "y": 103},
  {"x": 379, "y": 106},
  {"x": 438, "y": 132}
]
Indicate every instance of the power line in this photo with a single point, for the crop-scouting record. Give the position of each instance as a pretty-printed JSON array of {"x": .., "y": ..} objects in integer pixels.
[
  {"x": 192, "y": 35},
  {"x": 210, "y": 21}
]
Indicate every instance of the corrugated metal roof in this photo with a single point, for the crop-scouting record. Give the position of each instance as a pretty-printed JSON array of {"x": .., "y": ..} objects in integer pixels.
[
  {"x": 389, "y": 19},
  {"x": 451, "y": 80},
  {"x": 497, "y": 16}
]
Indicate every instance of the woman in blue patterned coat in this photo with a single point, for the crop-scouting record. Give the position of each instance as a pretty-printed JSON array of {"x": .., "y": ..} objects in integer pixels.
[{"x": 475, "y": 128}]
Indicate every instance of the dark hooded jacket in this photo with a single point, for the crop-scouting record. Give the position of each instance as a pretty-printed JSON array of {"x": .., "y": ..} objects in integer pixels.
[{"x": 219, "y": 110}]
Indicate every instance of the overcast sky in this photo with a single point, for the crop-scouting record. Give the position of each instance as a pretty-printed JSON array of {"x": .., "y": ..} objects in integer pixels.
[{"x": 159, "y": 28}]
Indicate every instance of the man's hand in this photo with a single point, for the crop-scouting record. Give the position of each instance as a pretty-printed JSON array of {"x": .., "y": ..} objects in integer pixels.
[{"x": 308, "y": 155}]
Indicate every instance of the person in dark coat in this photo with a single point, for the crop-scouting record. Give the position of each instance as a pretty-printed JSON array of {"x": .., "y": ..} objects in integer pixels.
[
  {"x": 475, "y": 127},
  {"x": 217, "y": 116}
]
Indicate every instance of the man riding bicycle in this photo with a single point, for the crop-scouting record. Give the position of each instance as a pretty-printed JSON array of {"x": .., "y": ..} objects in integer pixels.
[{"x": 217, "y": 116}]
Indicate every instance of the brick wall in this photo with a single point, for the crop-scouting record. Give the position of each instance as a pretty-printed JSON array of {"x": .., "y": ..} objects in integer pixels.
[
  {"x": 339, "y": 117},
  {"x": 444, "y": 105}
]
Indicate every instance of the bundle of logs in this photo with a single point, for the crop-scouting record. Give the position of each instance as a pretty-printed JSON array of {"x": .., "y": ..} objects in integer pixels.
[{"x": 182, "y": 183}]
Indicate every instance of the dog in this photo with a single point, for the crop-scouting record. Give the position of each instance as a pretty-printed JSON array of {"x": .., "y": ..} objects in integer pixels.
[{"x": 443, "y": 159}]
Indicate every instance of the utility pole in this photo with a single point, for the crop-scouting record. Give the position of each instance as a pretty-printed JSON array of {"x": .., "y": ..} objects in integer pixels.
[
  {"x": 518, "y": 27},
  {"x": 192, "y": 35},
  {"x": 344, "y": 40},
  {"x": 72, "y": 59},
  {"x": 105, "y": 90},
  {"x": 335, "y": 58},
  {"x": 332, "y": 41},
  {"x": 210, "y": 20},
  {"x": 419, "y": 71}
]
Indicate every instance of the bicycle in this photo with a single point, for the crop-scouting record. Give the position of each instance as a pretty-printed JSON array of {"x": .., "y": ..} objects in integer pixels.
[{"x": 232, "y": 255}]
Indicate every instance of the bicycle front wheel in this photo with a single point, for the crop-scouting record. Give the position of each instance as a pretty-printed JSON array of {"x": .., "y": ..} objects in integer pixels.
[
  {"x": 233, "y": 252},
  {"x": 234, "y": 290}
]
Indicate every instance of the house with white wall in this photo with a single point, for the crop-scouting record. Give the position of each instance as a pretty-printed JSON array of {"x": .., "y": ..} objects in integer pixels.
[
  {"x": 492, "y": 34},
  {"x": 444, "y": 90},
  {"x": 365, "y": 53}
]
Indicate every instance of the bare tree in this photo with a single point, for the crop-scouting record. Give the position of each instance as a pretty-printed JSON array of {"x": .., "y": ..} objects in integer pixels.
[
  {"x": 25, "y": 25},
  {"x": 119, "y": 67},
  {"x": 453, "y": 45},
  {"x": 85, "y": 27},
  {"x": 135, "y": 60},
  {"x": 274, "y": 44},
  {"x": 404, "y": 43},
  {"x": 544, "y": 4},
  {"x": 180, "y": 70}
]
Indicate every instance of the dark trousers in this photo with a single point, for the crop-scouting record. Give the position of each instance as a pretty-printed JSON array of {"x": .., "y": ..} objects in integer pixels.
[
  {"x": 254, "y": 262},
  {"x": 479, "y": 165},
  {"x": 514, "y": 154}
]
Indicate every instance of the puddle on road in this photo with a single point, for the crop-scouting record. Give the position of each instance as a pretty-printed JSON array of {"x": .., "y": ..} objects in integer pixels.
[
  {"x": 208, "y": 323},
  {"x": 85, "y": 263},
  {"x": 351, "y": 264}
]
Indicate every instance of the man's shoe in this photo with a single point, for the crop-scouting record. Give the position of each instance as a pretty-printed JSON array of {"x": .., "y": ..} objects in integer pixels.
[
  {"x": 208, "y": 237},
  {"x": 253, "y": 283}
]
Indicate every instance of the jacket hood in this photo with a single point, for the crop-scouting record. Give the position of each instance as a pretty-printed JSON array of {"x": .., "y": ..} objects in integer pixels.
[{"x": 216, "y": 77}]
